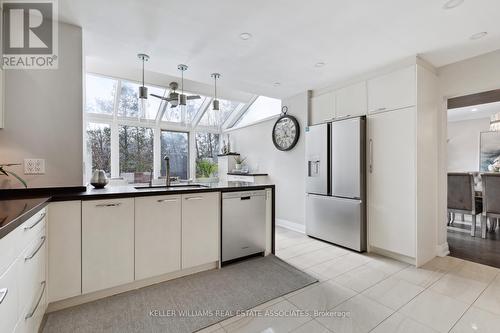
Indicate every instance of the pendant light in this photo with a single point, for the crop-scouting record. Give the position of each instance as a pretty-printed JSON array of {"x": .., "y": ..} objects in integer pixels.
[
  {"x": 216, "y": 101},
  {"x": 495, "y": 122},
  {"x": 182, "y": 97},
  {"x": 143, "y": 90}
]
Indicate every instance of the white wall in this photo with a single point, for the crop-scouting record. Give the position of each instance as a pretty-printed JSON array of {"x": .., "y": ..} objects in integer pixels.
[
  {"x": 469, "y": 76},
  {"x": 43, "y": 117},
  {"x": 286, "y": 169},
  {"x": 463, "y": 144}
]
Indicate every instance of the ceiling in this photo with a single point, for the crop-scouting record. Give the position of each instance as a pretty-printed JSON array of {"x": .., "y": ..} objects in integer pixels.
[
  {"x": 473, "y": 112},
  {"x": 289, "y": 37}
]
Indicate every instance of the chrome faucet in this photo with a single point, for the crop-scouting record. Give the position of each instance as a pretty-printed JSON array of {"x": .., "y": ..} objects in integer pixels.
[{"x": 167, "y": 168}]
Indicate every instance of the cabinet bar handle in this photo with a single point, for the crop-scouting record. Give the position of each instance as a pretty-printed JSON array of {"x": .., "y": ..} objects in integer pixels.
[
  {"x": 194, "y": 198},
  {"x": 110, "y": 205},
  {"x": 33, "y": 254},
  {"x": 33, "y": 310},
  {"x": 3, "y": 293},
  {"x": 37, "y": 221},
  {"x": 167, "y": 200},
  {"x": 380, "y": 109},
  {"x": 371, "y": 155}
]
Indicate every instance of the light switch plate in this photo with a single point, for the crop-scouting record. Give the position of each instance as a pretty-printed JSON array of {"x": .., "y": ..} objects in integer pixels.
[{"x": 34, "y": 166}]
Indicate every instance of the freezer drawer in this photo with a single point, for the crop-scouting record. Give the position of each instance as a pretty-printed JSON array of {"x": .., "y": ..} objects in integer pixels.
[
  {"x": 243, "y": 224},
  {"x": 336, "y": 220},
  {"x": 317, "y": 168}
]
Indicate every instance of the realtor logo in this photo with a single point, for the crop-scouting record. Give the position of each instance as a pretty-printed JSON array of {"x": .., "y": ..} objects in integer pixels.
[{"x": 29, "y": 34}]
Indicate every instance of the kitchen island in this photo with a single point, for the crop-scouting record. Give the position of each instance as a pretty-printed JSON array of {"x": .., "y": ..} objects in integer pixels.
[{"x": 100, "y": 242}]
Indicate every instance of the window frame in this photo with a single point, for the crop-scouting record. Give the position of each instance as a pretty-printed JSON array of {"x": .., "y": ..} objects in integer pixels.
[{"x": 189, "y": 167}]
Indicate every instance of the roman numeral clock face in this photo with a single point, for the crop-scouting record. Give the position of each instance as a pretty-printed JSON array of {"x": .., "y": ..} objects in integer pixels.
[{"x": 286, "y": 133}]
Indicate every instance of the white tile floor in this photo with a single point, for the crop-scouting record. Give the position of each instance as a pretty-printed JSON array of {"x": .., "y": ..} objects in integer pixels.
[{"x": 379, "y": 294}]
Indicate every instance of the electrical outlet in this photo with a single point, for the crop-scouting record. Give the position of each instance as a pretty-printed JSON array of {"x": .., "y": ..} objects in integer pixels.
[{"x": 34, "y": 166}]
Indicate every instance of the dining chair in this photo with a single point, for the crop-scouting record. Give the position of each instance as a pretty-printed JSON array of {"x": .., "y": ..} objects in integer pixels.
[
  {"x": 461, "y": 197},
  {"x": 491, "y": 201}
]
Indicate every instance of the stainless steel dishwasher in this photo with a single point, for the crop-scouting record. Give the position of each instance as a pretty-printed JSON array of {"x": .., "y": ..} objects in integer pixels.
[{"x": 243, "y": 224}]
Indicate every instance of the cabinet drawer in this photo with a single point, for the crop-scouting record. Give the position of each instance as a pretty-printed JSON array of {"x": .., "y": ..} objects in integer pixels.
[
  {"x": 31, "y": 268},
  {"x": 107, "y": 243},
  {"x": 9, "y": 307},
  {"x": 31, "y": 319},
  {"x": 10, "y": 249},
  {"x": 31, "y": 228},
  {"x": 396, "y": 90}
]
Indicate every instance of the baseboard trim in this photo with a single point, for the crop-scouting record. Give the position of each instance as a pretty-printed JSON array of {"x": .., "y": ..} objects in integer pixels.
[
  {"x": 291, "y": 225},
  {"x": 442, "y": 250},
  {"x": 390, "y": 254},
  {"x": 85, "y": 298}
]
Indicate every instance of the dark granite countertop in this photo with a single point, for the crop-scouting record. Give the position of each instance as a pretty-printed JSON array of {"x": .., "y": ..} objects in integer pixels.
[
  {"x": 15, "y": 212},
  {"x": 18, "y": 205}
]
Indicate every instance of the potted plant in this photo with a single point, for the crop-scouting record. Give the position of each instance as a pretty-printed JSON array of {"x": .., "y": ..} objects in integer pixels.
[
  {"x": 7, "y": 173},
  {"x": 239, "y": 161},
  {"x": 205, "y": 170}
]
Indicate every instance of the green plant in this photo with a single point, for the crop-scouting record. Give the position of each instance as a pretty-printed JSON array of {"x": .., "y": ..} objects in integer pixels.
[
  {"x": 205, "y": 168},
  {"x": 5, "y": 172},
  {"x": 239, "y": 160}
]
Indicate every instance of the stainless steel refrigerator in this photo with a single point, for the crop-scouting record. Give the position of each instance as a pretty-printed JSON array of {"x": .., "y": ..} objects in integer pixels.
[{"x": 335, "y": 182}]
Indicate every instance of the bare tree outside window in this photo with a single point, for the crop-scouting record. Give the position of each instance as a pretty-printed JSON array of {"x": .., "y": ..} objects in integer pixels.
[
  {"x": 207, "y": 148},
  {"x": 99, "y": 146},
  {"x": 175, "y": 145},
  {"x": 136, "y": 153}
]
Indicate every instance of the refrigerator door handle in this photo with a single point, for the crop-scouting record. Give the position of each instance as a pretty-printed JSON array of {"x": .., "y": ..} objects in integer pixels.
[{"x": 371, "y": 155}]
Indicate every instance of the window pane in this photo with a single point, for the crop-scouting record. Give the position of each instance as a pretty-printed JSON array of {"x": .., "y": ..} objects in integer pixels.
[
  {"x": 99, "y": 147},
  {"x": 262, "y": 108},
  {"x": 136, "y": 153},
  {"x": 100, "y": 94},
  {"x": 207, "y": 148},
  {"x": 175, "y": 145},
  {"x": 129, "y": 101},
  {"x": 217, "y": 118},
  {"x": 188, "y": 111}
]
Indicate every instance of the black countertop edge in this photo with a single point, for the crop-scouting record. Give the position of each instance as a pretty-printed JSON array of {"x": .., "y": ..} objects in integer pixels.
[
  {"x": 8, "y": 194},
  {"x": 229, "y": 154},
  {"x": 41, "y": 197},
  {"x": 23, "y": 217},
  {"x": 246, "y": 174}
]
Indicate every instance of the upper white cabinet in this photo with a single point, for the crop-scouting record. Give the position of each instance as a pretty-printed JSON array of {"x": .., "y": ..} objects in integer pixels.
[
  {"x": 157, "y": 235},
  {"x": 107, "y": 243},
  {"x": 65, "y": 246},
  {"x": 200, "y": 229},
  {"x": 351, "y": 100},
  {"x": 322, "y": 108},
  {"x": 396, "y": 90}
]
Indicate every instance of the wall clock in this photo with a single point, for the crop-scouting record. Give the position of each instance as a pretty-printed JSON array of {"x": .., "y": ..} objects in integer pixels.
[{"x": 286, "y": 131}]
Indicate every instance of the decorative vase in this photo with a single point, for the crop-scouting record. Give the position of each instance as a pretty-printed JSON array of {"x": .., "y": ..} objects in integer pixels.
[{"x": 99, "y": 179}]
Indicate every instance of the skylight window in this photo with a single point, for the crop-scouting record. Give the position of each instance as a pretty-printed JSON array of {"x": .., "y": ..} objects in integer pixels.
[
  {"x": 129, "y": 101},
  {"x": 263, "y": 108},
  {"x": 213, "y": 118},
  {"x": 100, "y": 94}
]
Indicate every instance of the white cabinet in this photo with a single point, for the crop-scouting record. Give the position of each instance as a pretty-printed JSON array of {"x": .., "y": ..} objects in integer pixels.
[
  {"x": 352, "y": 101},
  {"x": 65, "y": 249},
  {"x": 107, "y": 243},
  {"x": 396, "y": 90},
  {"x": 322, "y": 108},
  {"x": 157, "y": 235},
  {"x": 391, "y": 181},
  {"x": 9, "y": 306},
  {"x": 200, "y": 229}
]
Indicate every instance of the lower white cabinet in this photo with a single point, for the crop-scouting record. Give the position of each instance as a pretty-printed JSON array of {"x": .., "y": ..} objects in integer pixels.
[
  {"x": 200, "y": 228},
  {"x": 107, "y": 243},
  {"x": 157, "y": 235},
  {"x": 9, "y": 303},
  {"x": 65, "y": 247}
]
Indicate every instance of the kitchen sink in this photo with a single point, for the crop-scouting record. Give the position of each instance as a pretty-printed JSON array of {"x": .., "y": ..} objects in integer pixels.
[{"x": 171, "y": 187}]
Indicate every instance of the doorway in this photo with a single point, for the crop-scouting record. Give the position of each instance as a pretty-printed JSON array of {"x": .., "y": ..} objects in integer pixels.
[{"x": 473, "y": 150}]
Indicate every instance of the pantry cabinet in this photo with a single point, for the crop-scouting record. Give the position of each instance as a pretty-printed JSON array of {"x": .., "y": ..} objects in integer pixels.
[
  {"x": 200, "y": 229},
  {"x": 107, "y": 243},
  {"x": 157, "y": 235}
]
